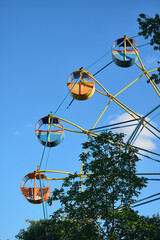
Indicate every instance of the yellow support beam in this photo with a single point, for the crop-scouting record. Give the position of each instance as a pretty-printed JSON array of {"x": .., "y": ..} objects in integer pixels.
[
  {"x": 82, "y": 129},
  {"x": 131, "y": 112},
  {"x": 154, "y": 85},
  {"x": 124, "y": 47},
  {"x": 49, "y": 127}
]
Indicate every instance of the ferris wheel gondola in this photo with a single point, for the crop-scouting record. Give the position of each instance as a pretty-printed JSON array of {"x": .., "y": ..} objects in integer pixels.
[
  {"x": 47, "y": 136},
  {"x": 33, "y": 193},
  {"x": 124, "y": 52},
  {"x": 81, "y": 84}
]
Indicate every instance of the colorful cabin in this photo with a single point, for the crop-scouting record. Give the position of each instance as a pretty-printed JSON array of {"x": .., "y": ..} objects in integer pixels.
[
  {"x": 81, "y": 84},
  {"x": 30, "y": 190},
  {"x": 123, "y": 53},
  {"x": 47, "y": 136}
]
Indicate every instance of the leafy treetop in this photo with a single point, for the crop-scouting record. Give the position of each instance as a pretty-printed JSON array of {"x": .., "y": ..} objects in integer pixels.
[{"x": 150, "y": 28}]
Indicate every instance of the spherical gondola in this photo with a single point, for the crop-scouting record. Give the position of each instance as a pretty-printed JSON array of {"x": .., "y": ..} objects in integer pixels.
[
  {"x": 123, "y": 53},
  {"x": 32, "y": 193},
  {"x": 81, "y": 84},
  {"x": 49, "y": 137}
]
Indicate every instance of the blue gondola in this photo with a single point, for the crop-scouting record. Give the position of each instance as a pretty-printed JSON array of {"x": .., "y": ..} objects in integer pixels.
[
  {"x": 123, "y": 53},
  {"x": 49, "y": 137}
]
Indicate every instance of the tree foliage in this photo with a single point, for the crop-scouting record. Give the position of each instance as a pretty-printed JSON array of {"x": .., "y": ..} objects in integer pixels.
[
  {"x": 109, "y": 188},
  {"x": 58, "y": 229},
  {"x": 150, "y": 28},
  {"x": 129, "y": 226}
]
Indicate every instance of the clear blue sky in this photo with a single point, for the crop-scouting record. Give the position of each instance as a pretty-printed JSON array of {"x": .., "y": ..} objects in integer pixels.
[{"x": 41, "y": 43}]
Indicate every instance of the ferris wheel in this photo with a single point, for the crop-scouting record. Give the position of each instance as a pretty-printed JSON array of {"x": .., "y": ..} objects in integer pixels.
[{"x": 50, "y": 130}]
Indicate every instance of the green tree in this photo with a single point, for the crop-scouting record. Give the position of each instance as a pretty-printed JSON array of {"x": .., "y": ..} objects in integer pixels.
[
  {"x": 150, "y": 28},
  {"x": 58, "y": 229},
  {"x": 108, "y": 190},
  {"x": 129, "y": 223}
]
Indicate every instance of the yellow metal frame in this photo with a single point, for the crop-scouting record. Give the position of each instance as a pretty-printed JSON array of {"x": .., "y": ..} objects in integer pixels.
[
  {"x": 124, "y": 48},
  {"x": 49, "y": 127},
  {"x": 154, "y": 85},
  {"x": 83, "y": 131},
  {"x": 113, "y": 98},
  {"x": 81, "y": 175}
]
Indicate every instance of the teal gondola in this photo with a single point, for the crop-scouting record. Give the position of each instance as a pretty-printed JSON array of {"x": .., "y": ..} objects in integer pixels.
[
  {"x": 49, "y": 137},
  {"x": 123, "y": 53}
]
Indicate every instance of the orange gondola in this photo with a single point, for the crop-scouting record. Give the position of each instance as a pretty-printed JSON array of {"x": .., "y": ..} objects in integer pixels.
[
  {"x": 81, "y": 84},
  {"x": 49, "y": 137},
  {"x": 32, "y": 193}
]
